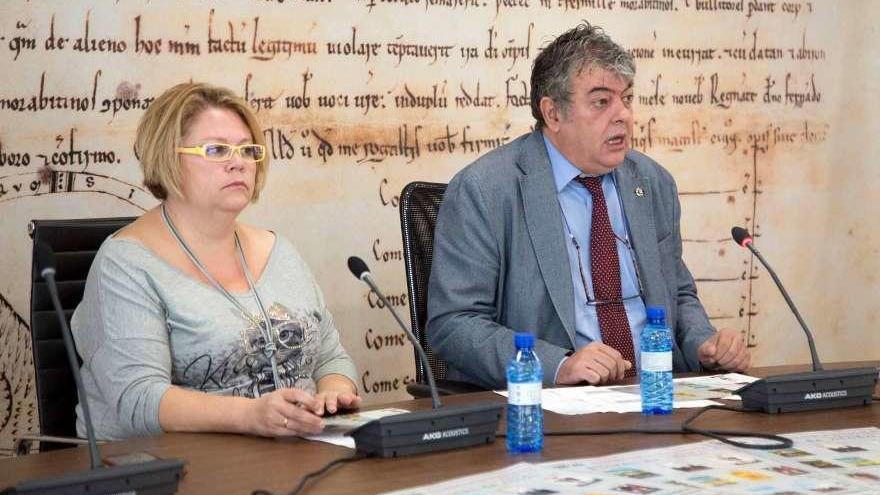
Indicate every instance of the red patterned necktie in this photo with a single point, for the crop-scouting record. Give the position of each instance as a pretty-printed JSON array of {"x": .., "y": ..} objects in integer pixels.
[{"x": 605, "y": 272}]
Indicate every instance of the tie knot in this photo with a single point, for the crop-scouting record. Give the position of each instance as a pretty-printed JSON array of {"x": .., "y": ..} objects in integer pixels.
[{"x": 593, "y": 184}]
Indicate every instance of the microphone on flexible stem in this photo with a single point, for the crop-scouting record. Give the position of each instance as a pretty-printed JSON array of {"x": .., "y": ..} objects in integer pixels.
[
  {"x": 742, "y": 237},
  {"x": 440, "y": 428},
  {"x": 158, "y": 476},
  {"x": 359, "y": 270},
  {"x": 46, "y": 264},
  {"x": 817, "y": 389}
]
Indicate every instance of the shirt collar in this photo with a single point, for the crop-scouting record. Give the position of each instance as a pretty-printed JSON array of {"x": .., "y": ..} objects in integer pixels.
[{"x": 563, "y": 170}]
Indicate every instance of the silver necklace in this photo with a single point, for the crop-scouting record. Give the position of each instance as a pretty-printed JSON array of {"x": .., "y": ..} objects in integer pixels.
[{"x": 269, "y": 348}]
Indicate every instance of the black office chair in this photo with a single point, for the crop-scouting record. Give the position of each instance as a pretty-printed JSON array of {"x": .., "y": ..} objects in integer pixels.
[
  {"x": 75, "y": 243},
  {"x": 419, "y": 204}
]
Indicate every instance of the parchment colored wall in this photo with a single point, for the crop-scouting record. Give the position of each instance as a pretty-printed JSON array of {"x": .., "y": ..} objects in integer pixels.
[{"x": 765, "y": 112}]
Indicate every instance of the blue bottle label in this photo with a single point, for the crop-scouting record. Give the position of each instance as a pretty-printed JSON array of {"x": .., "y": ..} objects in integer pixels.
[
  {"x": 524, "y": 394},
  {"x": 657, "y": 361}
]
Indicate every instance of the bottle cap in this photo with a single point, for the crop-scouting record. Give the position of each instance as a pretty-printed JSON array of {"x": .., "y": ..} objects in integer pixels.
[
  {"x": 656, "y": 312},
  {"x": 524, "y": 340}
]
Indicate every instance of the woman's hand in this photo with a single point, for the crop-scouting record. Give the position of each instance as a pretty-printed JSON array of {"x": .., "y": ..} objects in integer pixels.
[
  {"x": 331, "y": 401},
  {"x": 286, "y": 412},
  {"x": 336, "y": 392}
]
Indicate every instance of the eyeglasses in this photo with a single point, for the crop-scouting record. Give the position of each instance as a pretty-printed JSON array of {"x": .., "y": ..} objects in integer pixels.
[
  {"x": 591, "y": 301},
  {"x": 221, "y": 152}
]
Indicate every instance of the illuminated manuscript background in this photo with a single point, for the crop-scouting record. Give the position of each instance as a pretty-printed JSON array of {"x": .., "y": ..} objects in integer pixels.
[{"x": 765, "y": 112}]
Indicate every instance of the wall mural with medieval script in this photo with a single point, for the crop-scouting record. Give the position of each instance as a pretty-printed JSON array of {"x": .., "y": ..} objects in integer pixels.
[{"x": 762, "y": 110}]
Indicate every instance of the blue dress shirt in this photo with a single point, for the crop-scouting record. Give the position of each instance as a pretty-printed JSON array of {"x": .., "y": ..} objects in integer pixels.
[{"x": 576, "y": 205}]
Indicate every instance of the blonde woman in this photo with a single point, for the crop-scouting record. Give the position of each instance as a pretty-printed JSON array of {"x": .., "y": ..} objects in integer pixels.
[{"x": 171, "y": 328}]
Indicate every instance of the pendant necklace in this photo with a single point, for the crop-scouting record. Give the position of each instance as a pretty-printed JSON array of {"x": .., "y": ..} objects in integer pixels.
[{"x": 269, "y": 348}]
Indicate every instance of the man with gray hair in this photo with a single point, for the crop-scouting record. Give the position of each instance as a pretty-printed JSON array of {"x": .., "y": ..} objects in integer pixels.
[{"x": 569, "y": 234}]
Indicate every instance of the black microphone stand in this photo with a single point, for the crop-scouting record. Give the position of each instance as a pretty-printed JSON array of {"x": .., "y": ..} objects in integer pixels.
[
  {"x": 817, "y": 389},
  {"x": 48, "y": 274},
  {"x": 435, "y": 396},
  {"x": 157, "y": 477},
  {"x": 440, "y": 428},
  {"x": 817, "y": 365}
]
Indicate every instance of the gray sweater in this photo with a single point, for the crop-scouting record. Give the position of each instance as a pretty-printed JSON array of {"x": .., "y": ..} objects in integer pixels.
[{"x": 144, "y": 325}]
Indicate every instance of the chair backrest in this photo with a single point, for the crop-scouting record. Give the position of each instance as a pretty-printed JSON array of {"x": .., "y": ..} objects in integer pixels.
[
  {"x": 75, "y": 243},
  {"x": 419, "y": 203}
]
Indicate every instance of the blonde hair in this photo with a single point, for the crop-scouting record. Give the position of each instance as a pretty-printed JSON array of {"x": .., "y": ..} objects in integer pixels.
[{"x": 168, "y": 119}]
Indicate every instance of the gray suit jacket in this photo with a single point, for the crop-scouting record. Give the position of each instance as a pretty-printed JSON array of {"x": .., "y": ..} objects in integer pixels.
[{"x": 501, "y": 266}]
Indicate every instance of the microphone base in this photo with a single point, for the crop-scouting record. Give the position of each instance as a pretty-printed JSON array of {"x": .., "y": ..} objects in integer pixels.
[
  {"x": 157, "y": 477},
  {"x": 444, "y": 428},
  {"x": 812, "y": 390}
]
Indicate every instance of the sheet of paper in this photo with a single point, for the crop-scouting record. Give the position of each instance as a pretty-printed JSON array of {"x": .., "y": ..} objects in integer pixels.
[
  {"x": 689, "y": 392},
  {"x": 336, "y": 427},
  {"x": 709, "y": 387}
]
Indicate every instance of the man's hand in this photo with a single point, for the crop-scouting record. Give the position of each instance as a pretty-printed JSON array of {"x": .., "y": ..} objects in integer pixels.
[
  {"x": 727, "y": 350},
  {"x": 595, "y": 363}
]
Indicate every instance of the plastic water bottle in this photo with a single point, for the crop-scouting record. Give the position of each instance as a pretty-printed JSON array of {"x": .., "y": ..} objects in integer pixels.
[
  {"x": 656, "y": 361},
  {"x": 525, "y": 419}
]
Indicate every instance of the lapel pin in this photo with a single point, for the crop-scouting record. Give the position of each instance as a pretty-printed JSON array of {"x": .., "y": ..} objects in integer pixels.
[{"x": 639, "y": 192}]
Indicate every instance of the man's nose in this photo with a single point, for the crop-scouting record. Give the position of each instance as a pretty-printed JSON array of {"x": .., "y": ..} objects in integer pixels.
[{"x": 624, "y": 113}]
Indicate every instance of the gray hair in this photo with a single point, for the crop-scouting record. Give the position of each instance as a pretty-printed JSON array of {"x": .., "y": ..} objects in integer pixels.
[{"x": 582, "y": 47}]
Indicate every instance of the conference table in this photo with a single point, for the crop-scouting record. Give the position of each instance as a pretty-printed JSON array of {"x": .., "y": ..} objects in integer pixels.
[{"x": 227, "y": 463}]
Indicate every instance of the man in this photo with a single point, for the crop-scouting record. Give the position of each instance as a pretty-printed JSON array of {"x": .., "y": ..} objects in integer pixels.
[{"x": 569, "y": 234}]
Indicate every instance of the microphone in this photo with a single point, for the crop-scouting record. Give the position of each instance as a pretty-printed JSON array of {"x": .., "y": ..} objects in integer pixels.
[
  {"x": 159, "y": 476},
  {"x": 441, "y": 428},
  {"x": 817, "y": 389},
  {"x": 359, "y": 269},
  {"x": 45, "y": 261},
  {"x": 742, "y": 237}
]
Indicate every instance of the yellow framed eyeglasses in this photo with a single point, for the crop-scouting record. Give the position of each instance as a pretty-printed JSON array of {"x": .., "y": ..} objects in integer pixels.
[{"x": 221, "y": 152}]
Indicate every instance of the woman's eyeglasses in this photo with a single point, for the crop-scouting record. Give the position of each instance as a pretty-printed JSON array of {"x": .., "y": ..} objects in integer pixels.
[
  {"x": 591, "y": 301},
  {"x": 221, "y": 152}
]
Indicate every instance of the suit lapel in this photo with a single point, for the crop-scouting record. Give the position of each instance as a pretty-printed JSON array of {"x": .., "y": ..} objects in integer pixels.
[
  {"x": 544, "y": 223},
  {"x": 639, "y": 210}
]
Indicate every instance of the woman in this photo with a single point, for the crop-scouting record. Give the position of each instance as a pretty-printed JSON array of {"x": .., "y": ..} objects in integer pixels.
[{"x": 175, "y": 303}]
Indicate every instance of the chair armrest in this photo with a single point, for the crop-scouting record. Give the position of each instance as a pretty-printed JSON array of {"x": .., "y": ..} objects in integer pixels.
[{"x": 24, "y": 443}]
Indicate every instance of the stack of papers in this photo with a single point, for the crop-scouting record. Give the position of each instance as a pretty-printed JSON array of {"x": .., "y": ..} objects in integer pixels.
[{"x": 697, "y": 391}]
